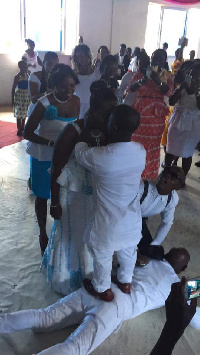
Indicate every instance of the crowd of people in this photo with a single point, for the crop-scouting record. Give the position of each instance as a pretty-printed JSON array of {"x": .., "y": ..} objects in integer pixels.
[{"x": 94, "y": 133}]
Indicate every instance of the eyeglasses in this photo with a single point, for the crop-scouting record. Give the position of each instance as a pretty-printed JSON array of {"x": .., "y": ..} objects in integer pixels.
[{"x": 173, "y": 175}]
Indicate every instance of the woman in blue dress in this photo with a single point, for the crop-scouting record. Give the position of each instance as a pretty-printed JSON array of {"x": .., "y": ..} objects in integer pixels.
[
  {"x": 67, "y": 261},
  {"x": 51, "y": 114}
]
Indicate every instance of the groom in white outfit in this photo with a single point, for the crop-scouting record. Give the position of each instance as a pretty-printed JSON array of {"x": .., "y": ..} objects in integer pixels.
[
  {"x": 150, "y": 288},
  {"x": 117, "y": 223}
]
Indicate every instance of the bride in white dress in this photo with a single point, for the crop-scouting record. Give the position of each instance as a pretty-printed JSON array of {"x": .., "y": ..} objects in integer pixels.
[{"x": 66, "y": 260}]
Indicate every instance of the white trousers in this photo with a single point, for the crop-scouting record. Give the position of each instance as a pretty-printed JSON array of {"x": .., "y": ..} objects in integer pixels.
[
  {"x": 98, "y": 320},
  {"x": 102, "y": 263}
]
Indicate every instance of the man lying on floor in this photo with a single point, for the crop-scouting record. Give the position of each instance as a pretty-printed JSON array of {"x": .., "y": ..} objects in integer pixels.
[{"x": 98, "y": 319}]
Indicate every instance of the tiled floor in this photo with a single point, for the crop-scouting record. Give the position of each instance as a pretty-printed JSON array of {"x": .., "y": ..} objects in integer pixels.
[{"x": 23, "y": 286}]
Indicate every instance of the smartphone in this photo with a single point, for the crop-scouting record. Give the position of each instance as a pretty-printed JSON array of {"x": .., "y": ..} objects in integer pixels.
[{"x": 192, "y": 288}]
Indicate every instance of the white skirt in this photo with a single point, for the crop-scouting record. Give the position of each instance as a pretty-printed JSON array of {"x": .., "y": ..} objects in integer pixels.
[
  {"x": 183, "y": 134},
  {"x": 67, "y": 261}
]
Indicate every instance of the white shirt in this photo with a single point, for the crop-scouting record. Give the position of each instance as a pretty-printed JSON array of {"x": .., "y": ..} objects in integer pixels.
[
  {"x": 83, "y": 90},
  {"x": 120, "y": 59},
  {"x": 133, "y": 65},
  {"x": 124, "y": 85},
  {"x": 98, "y": 319},
  {"x": 33, "y": 61},
  {"x": 117, "y": 168},
  {"x": 154, "y": 204}
]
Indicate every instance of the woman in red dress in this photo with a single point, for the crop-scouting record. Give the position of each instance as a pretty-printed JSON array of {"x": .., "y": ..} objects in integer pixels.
[{"x": 151, "y": 88}]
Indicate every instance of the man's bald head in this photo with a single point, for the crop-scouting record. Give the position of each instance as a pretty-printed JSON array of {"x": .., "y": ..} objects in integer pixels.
[{"x": 178, "y": 258}]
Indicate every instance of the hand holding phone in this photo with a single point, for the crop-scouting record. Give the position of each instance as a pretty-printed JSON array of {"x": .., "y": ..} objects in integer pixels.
[
  {"x": 192, "y": 288},
  {"x": 178, "y": 312}
]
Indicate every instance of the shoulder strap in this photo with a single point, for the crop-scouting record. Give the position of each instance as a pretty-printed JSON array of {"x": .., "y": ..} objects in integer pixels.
[
  {"x": 169, "y": 199},
  {"x": 44, "y": 101},
  {"x": 146, "y": 188},
  {"x": 77, "y": 128}
]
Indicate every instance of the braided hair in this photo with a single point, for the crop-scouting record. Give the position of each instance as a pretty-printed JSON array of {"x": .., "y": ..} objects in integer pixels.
[
  {"x": 86, "y": 50},
  {"x": 183, "y": 71},
  {"x": 60, "y": 72},
  {"x": 99, "y": 94}
]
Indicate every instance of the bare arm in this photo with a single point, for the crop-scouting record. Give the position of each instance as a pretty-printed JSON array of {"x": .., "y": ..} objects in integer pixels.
[
  {"x": 16, "y": 79},
  {"x": 177, "y": 94},
  {"x": 179, "y": 314},
  {"x": 33, "y": 123},
  {"x": 39, "y": 61},
  {"x": 62, "y": 150},
  {"x": 35, "y": 94}
]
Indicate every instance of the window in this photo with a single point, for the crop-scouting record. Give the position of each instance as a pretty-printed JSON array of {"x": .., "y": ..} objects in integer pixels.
[
  {"x": 192, "y": 31},
  {"x": 43, "y": 24},
  {"x": 166, "y": 24},
  {"x": 52, "y": 24},
  {"x": 153, "y": 28},
  {"x": 10, "y": 26},
  {"x": 173, "y": 28}
]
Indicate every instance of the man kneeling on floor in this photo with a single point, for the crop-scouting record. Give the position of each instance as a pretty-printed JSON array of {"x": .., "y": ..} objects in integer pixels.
[
  {"x": 99, "y": 319},
  {"x": 159, "y": 198}
]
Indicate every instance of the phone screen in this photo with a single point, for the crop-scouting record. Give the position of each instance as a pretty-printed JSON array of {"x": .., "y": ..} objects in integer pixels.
[{"x": 193, "y": 288}]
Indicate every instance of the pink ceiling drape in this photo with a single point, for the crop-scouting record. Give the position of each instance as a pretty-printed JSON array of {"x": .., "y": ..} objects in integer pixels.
[{"x": 184, "y": 2}]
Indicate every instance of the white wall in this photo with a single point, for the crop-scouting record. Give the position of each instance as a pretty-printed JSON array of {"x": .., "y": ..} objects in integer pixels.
[
  {"x": 9, "y": 69},
  {"x": 95, "y": 23},
  {"x": 129, "y": 23},
  {"x": 102, "y": 22},
  {"x": 111, "y": 22}
]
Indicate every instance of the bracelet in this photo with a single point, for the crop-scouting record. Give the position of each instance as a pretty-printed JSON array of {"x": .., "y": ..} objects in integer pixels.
[
  {"x": 49, "y": 143},
  {"x": 55, "y": 206}
]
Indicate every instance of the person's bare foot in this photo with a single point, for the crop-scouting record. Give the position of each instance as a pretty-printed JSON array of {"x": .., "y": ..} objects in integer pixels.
[
  {"x": 124, "y": 287},
  {"x": 105, "y": 296},
  {"x": 43, "y": 239}
]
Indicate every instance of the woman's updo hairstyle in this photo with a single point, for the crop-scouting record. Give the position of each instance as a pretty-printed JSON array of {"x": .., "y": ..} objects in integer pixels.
[
  {"x": 86, "y": 50},
  {"x": 183, "y": 71},
  {"x": 58, "y": 73},
  {"x": 100, "y": 93},
  {"x": 108, "y": 60},
  {"x": 30, "y": 42}
]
